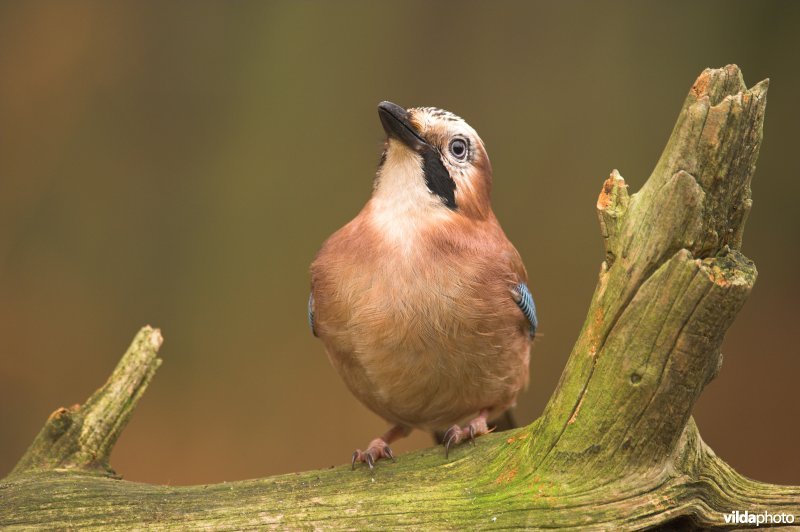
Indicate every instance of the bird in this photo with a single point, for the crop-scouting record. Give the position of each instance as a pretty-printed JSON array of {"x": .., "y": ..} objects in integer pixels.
[{"x": 421, "y": 301}]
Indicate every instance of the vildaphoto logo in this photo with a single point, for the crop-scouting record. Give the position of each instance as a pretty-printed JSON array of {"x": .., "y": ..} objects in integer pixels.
[{"x": 764, "y": 518}]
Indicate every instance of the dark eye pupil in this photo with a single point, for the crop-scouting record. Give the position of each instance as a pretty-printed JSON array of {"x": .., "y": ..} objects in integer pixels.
[{"x": 459, "y": 148}]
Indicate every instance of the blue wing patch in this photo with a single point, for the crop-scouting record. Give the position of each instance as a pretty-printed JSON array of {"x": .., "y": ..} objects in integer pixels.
[
  {"x": 311, "y": 313},
  {"x": 525, "y": 303}
]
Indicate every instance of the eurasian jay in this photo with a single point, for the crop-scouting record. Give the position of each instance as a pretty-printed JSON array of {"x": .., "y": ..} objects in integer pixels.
[{"x": 421, "y": 301}]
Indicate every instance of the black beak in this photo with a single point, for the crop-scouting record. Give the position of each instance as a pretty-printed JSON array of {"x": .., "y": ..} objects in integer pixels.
[{"x": 396, "y": 124}]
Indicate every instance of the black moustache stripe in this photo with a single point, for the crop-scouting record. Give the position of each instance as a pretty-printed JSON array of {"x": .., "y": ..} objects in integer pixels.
[{"x": 437, "y": 178}]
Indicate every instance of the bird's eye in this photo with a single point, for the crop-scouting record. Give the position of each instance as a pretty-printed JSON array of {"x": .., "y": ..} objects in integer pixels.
[{"x": 458, "y": 147}]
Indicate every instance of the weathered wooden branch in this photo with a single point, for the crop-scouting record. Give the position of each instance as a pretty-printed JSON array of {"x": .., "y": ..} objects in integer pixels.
[
  {"x": 81, "y": 437},
  {"x": 616, "y": 447}
]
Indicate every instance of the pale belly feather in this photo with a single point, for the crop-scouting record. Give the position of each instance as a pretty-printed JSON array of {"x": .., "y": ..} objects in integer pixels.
[{"x": 428, "y": 349}]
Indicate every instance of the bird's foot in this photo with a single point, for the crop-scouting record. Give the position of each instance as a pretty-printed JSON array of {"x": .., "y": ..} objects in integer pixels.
[
  {"x": 378, "y": 448},
  {"x": 455, "y": 434}
]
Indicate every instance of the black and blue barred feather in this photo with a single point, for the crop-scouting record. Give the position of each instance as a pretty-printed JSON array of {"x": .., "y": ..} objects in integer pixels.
[
  {"x": 311, "y": 313},
  {"x": 525, "y": 302}
]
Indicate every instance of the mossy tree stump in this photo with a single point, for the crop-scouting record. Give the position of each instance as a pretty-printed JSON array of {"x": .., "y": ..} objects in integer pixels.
[{"x": 616, "y": 447}]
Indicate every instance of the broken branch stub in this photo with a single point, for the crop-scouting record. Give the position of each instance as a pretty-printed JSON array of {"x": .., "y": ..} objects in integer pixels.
[
  {"x": 82, "y": 437},
  {"x": 670, "y": 286}
]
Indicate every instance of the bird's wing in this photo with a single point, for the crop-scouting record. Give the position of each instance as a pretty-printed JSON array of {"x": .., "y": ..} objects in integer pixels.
[
  {"x": 524, "y": 301},
  {"x": 311, "y": 313},
  {"x": 520, "y": 292}
]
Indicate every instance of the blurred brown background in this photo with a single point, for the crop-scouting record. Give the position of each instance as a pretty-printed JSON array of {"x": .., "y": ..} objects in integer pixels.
[{"x": 179, "y": 164}]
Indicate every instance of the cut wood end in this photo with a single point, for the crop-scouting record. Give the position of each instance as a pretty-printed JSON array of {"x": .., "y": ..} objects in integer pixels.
[
  {"x": 711, "y": 76},
  {"x": 155, "y": 337},
  {"x": 614, "y": 192},
  {"x": 61, "y": 412},
  {"x": 716, "y": 83},
  {"x": 700, "y": 87},
  {"x": 60, "y": 421},
  {"x": 732, "y": 270}
]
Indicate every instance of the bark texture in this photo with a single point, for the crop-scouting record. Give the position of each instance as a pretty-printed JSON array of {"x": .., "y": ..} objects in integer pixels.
[{"x": 616, "y": 447}]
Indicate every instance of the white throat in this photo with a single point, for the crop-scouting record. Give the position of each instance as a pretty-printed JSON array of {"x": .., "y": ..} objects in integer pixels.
[{"x": 402, "y": 203}]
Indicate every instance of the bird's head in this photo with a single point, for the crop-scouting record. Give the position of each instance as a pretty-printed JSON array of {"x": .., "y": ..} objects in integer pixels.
[{"x": 433, "y": 162}]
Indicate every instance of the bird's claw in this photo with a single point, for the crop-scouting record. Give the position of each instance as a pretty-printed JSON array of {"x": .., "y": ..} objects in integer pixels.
[
  {"x": 388, "y": 452},
  {"x": 452, "y": 436},
  {"x": 455, "y": 434},
  {"x": 377, "y": 449}
]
